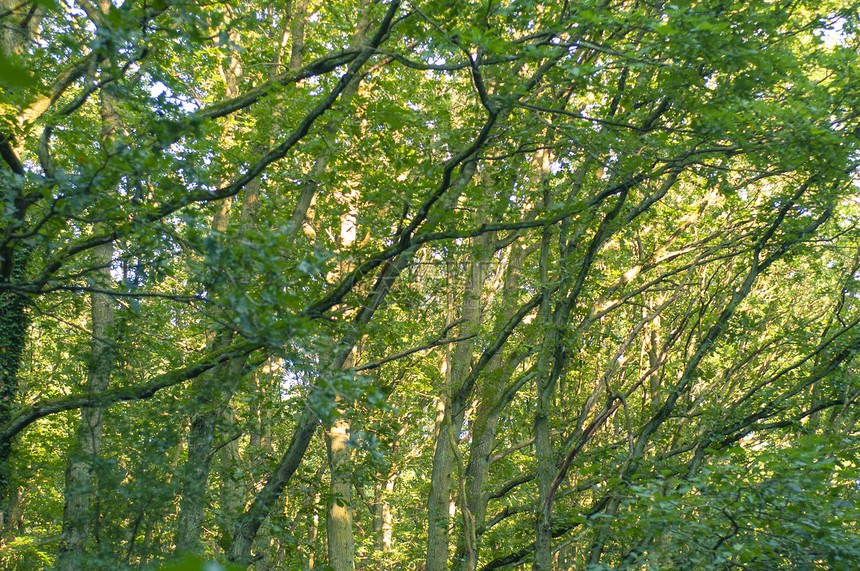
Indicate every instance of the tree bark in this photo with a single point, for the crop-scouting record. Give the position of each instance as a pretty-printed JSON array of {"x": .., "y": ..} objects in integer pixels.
[
  {"x": 313, "y": 527},
  {"x": 21, "y": 21},
  {"x": 543, "y": 443},
  {"x": 485, "y": 425},
  {"x": 79, "y": 512},
  {"x": 382, "y": 525},
  {"x": 454, "y": 405},
  {"x": 14, "y": 322},
  {"x": 310, "y": 185},
  {"x": 215, "y": 389},
  {"x": 341, "y": 543},
  {"x": 339, "y": 533},
  {"x": 231, "y": 486},
  {"x": 382, "y": 517}
]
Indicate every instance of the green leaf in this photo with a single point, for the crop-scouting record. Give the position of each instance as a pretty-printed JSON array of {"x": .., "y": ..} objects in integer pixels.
[{"x": 13, "y": 75}]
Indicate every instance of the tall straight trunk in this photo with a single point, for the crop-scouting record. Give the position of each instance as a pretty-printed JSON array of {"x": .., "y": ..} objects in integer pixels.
[
  {"x": 14, "y": 319},
  {"x": 341, "y": 543},
  {"x": 477, "y": 474},
  {"x": 552, "y": 360},
  {"x": 310, "y": 185},
  {"x": 14, "y": 322},
  {"x": 339, "y": 533},
  {"x": 551, "y": 365},
  {"x": 382, "y": 520},
  {"x": 549, "y": 370},
  {"x": 439, "y": 499},
  {"x": 543, "y": 444},
  {"x": 485, "y": 425},
  {"x": 455, "y": 404},
  {"x": 313, "y": 527},
  {"x": 79, "y": 512},
  {"x": 231, "y": 486},
  {"x": 214, "y": 390}
]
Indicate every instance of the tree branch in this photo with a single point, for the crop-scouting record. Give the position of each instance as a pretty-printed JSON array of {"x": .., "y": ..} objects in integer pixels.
[{"x": 42, "y": 409}]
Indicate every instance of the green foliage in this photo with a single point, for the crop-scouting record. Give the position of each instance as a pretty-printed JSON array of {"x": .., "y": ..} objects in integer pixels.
[
  {"x": 677, "y": 180},
  {"x": 191, "y": 563},
  {"x": 790, "y": 507}
]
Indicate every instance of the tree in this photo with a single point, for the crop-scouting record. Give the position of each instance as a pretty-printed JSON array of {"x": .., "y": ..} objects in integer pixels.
[{"x": 547, "y": 284}]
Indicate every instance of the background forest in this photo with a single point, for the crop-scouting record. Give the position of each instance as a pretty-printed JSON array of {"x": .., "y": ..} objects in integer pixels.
[{"x": 430, "y": 284}]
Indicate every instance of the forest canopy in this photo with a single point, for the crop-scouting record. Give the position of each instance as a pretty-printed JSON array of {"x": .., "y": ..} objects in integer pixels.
[{"x": 430, "y": 284}]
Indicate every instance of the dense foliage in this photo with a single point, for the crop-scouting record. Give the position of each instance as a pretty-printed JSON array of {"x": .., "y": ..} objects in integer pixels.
[{"x": 434, "y": 284}]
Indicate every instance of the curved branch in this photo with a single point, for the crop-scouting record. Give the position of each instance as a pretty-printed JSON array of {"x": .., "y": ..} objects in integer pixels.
[{"x": 42, "y": 409}]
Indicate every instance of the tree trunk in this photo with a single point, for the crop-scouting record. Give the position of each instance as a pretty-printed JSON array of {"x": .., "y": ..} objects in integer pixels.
[
  {"x": 231, "y": 486},
  {"x": 79, "y": 512},
  {"x": 383, "y": 522},
  {"x": 543, "y": 443},
  {"x": 14, "y": 321},
  {"x": 454, "y": 405},
  {"x": 485, "y": 425},
  {"x": 215, "y": 389},
  {"x": 310, "y": 185},
  {"x": 214, "y": 392},
  {"x": 382, "y": 519},
  {"x": 313, "y": 527},
  {"x": 339, "y": 534},
  {"x": 341, "y": 544}
]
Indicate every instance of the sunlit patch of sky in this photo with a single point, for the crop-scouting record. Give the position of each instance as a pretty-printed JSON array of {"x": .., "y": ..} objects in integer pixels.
[
  {"x": 835, "y": 34},
  {"x": 158, "y": 89},
  {"x": 289, "y": 381}
]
